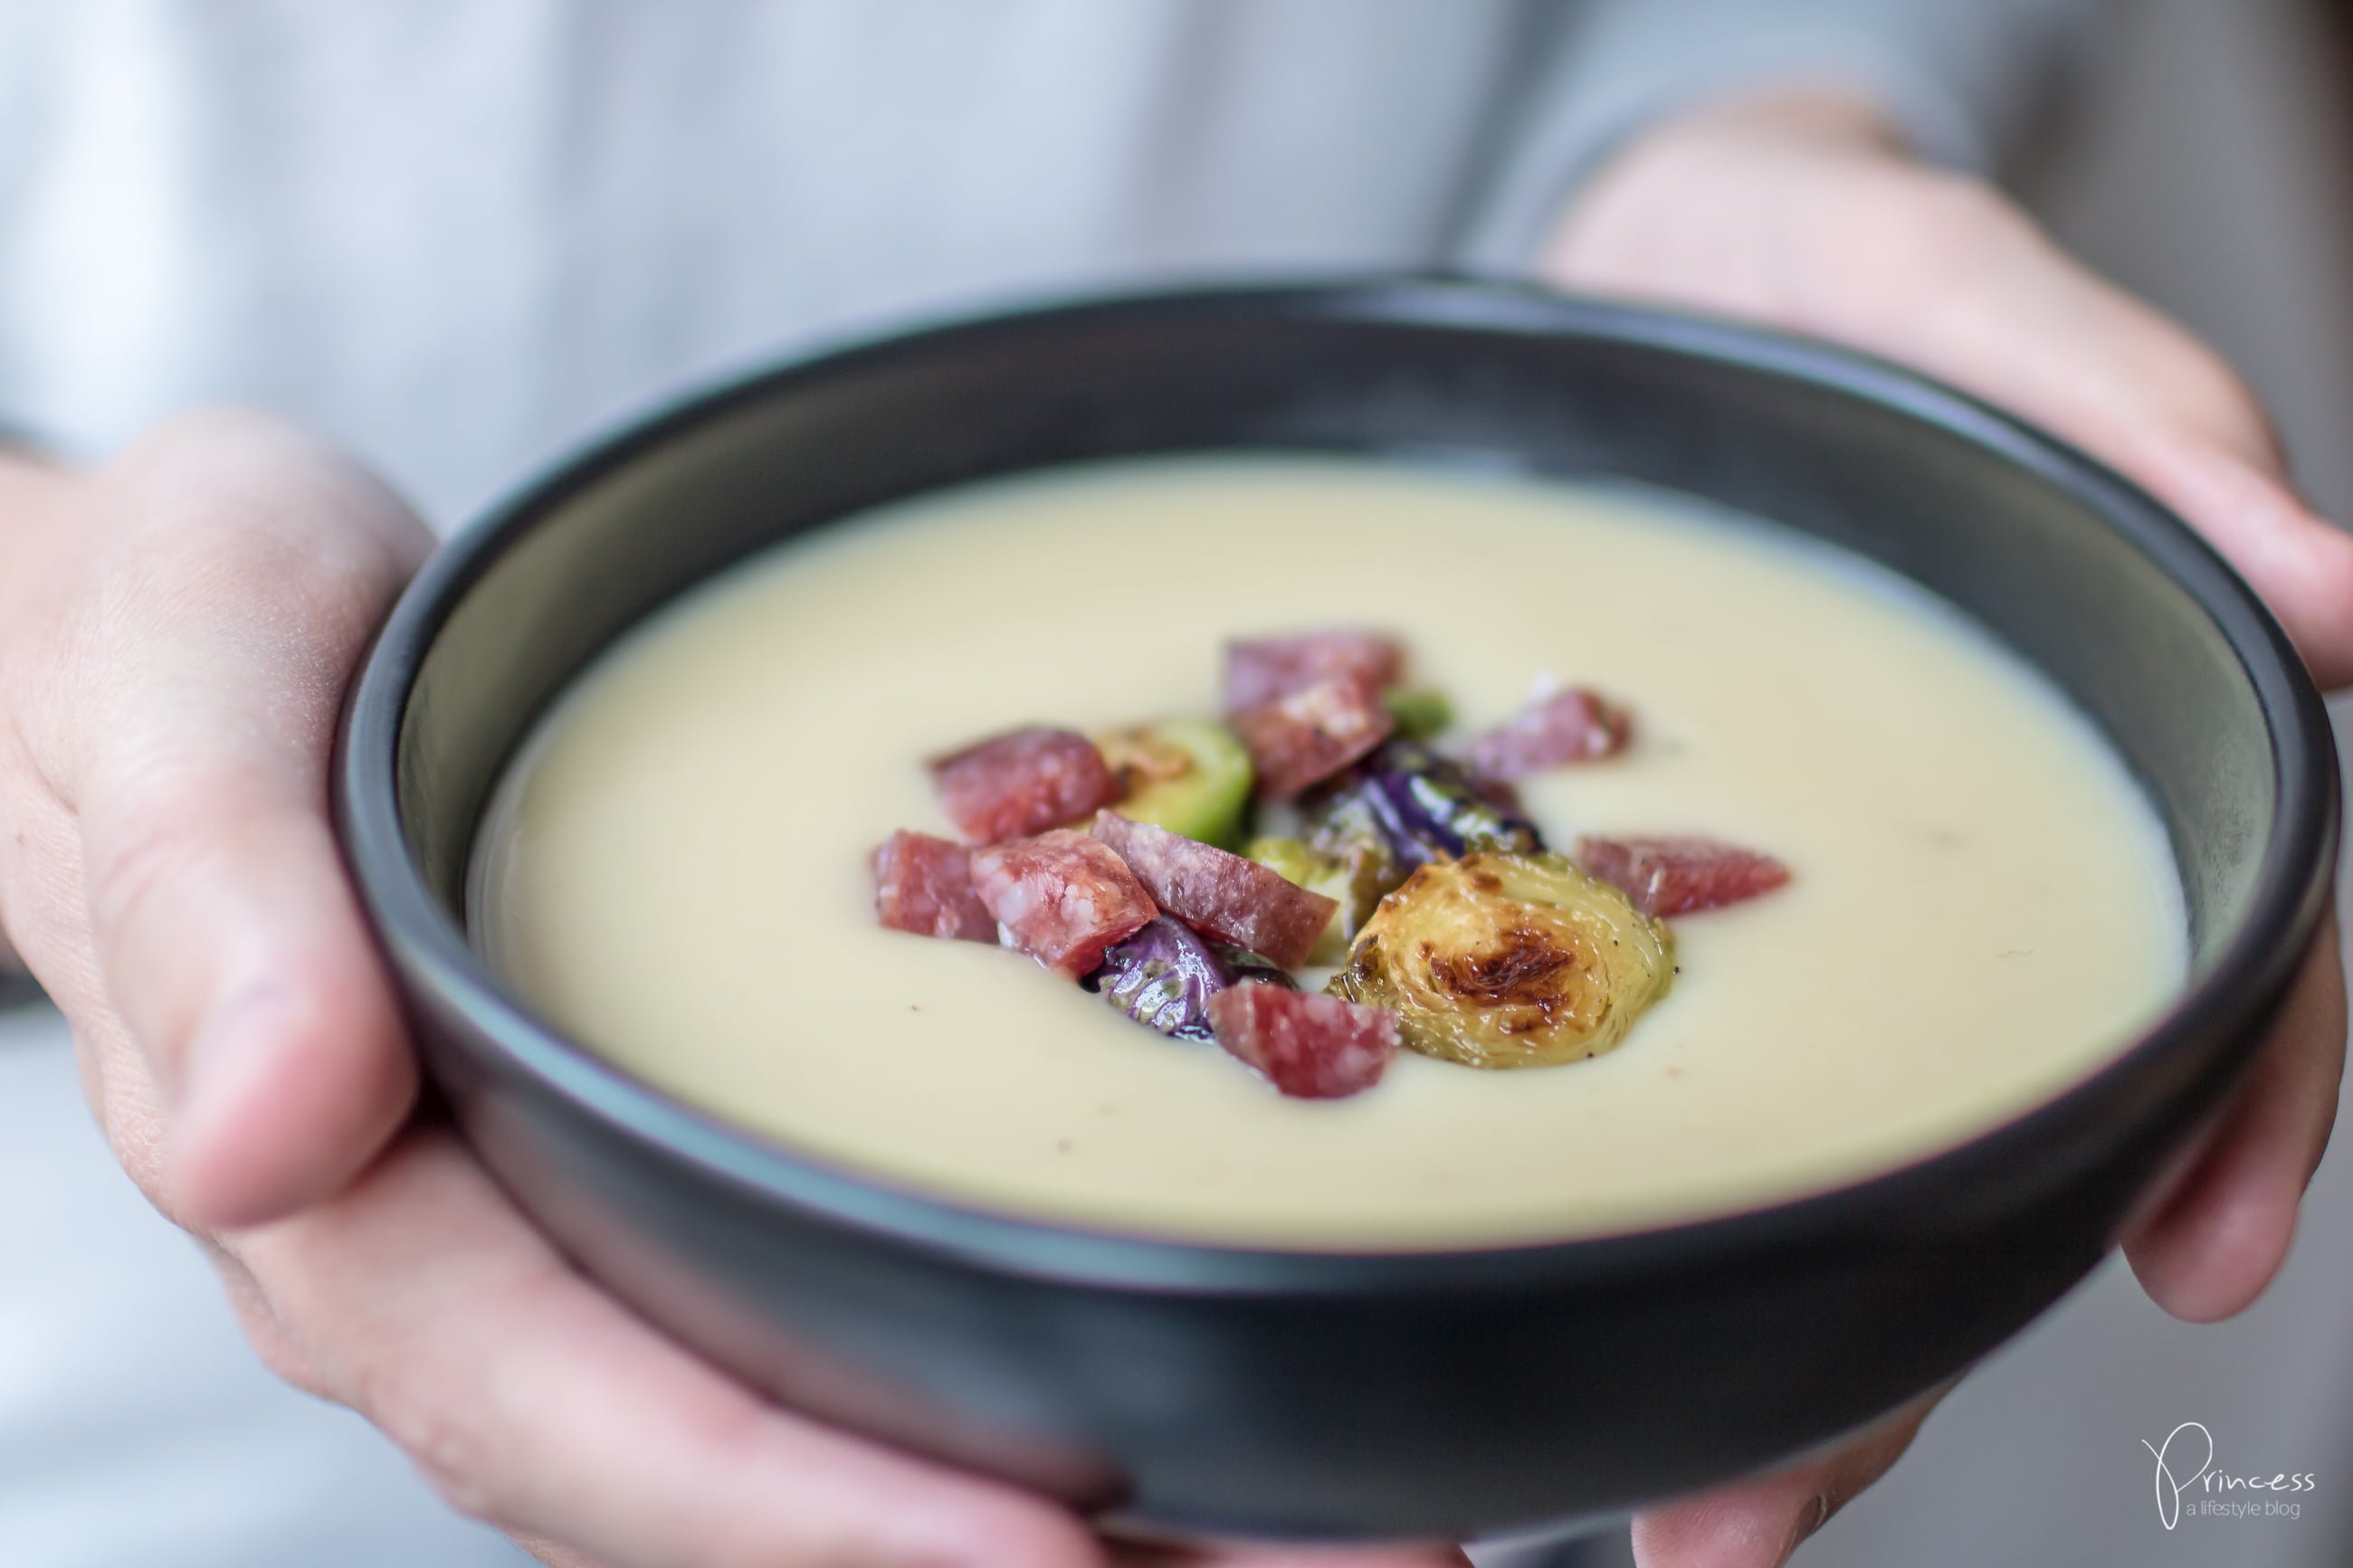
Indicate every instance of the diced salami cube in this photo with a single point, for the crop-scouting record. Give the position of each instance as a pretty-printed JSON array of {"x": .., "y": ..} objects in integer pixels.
[
  {"x": 1260, "y": 670},
  {"x": 923, "y": 885},
  {"x": 1306, "y": 737},
  {"x": 1219, "y": 895},
  {"x": 1571, "y": 726},
  {"x": 1309, "y": 1046},
  {"x": 1679, "y": 875},
  {"x": 1063, "y": 898},
  {"x": 1024, "y": 782}
]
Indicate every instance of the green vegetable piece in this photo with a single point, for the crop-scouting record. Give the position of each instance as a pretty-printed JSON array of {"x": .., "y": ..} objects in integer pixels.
[
  {"x": 1188, "y": 776},
  {"x": 1405, "y": 805},
  {"x": 1509, "y": 961},
  {"x": 1420, "y": 711},
  {"x": 1343, "y": 829},
  {"x": 1319, "y": 873}
]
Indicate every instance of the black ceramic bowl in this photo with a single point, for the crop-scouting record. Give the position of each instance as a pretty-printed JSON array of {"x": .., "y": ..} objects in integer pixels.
[{"x": 1258, "y": 1392}]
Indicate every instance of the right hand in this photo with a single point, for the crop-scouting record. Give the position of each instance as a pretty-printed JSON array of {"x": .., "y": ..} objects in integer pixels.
[
  {"x": 176, "y": 632},
  {"x": 1801, "y": 209}
]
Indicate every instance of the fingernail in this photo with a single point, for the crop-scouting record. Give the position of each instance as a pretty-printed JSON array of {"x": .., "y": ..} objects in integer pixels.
[{"x": 1817, "y": 1513}]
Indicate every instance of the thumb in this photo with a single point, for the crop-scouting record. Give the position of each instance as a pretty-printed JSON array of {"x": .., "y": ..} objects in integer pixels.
[
  {"x": 1142, "y": 1556},
  {"x": 1759, "y": 1523},
  {"x": 202, "y": 663}
]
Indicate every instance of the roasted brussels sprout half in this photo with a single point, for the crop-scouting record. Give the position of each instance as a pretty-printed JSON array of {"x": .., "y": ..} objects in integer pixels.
[
  {"x": 1327, "y": 875},
  {"x": 1509, "y": 961},
  {"x": 1407, "y": 806},
  {"x": 1188, "y": 776},
  {"x": 1341, "y": 826},
  {"x": 1294, "y": 862},
  {"x": 1164, "y": 976},
  {"x": 1420, "y": 711}
]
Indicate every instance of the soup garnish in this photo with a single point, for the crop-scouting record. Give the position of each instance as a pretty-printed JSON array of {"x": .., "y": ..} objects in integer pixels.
[{"x": 1457, "y": 933}]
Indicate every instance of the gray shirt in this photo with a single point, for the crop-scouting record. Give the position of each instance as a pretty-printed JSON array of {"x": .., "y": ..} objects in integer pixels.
[{"x": 454, "y": 235}]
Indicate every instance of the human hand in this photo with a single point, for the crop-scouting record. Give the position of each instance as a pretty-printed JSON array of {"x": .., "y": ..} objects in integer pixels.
[
  {"x": 1801, "y": 210},
  {"x": 176, "y": 631}
]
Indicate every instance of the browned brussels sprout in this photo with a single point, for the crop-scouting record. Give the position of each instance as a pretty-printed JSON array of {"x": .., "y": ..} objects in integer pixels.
[
  {"x": 1327, "y": 875},
  {"x": 1509, "y": 961},
  {"x": 1342, "y": 830},
  {"x": 1164, "y": 976},
  {"x": 1188, "y": 776},
  {"x": 1405, "y": 807}
]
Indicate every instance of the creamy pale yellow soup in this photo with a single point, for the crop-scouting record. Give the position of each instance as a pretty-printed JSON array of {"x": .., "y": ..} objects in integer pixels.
[{"x": 1983, "y": 909}]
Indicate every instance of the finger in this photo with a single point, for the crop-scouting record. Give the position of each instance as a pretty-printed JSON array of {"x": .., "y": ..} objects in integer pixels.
[
  {"x": 553, "y": 1553},
  {"x": 1757, "y": 1524},
  {"x": 2034, "y": 329},
  {"x": 556, "y": 1555},
  {"x": 2301, "y": 564},
  {"x": 196, "y": 677},
  {"x": 1290, "y": 1557},
  {"x": 2215, "y": 1242},
  {"x": 257, "y": 1320},
  {"x": 1946, "y": 275},
  {"x": 532, "y": 1400}
]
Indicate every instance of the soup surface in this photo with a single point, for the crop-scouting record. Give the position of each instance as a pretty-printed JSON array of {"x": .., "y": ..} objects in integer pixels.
[{"x": 1983, "y": 908}]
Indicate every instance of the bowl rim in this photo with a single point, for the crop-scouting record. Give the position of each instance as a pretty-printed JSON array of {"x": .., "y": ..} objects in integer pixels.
[{"x": 2249, "y": 972}]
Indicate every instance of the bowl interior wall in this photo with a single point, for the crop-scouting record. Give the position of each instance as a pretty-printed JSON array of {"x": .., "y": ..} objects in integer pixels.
[{"x": 2024, "y": 556}]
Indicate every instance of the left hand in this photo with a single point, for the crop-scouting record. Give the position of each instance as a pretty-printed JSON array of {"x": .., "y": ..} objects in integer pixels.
[
  {"x": 1801, "y": 210},
  {"x": 176, "y": 629}
]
